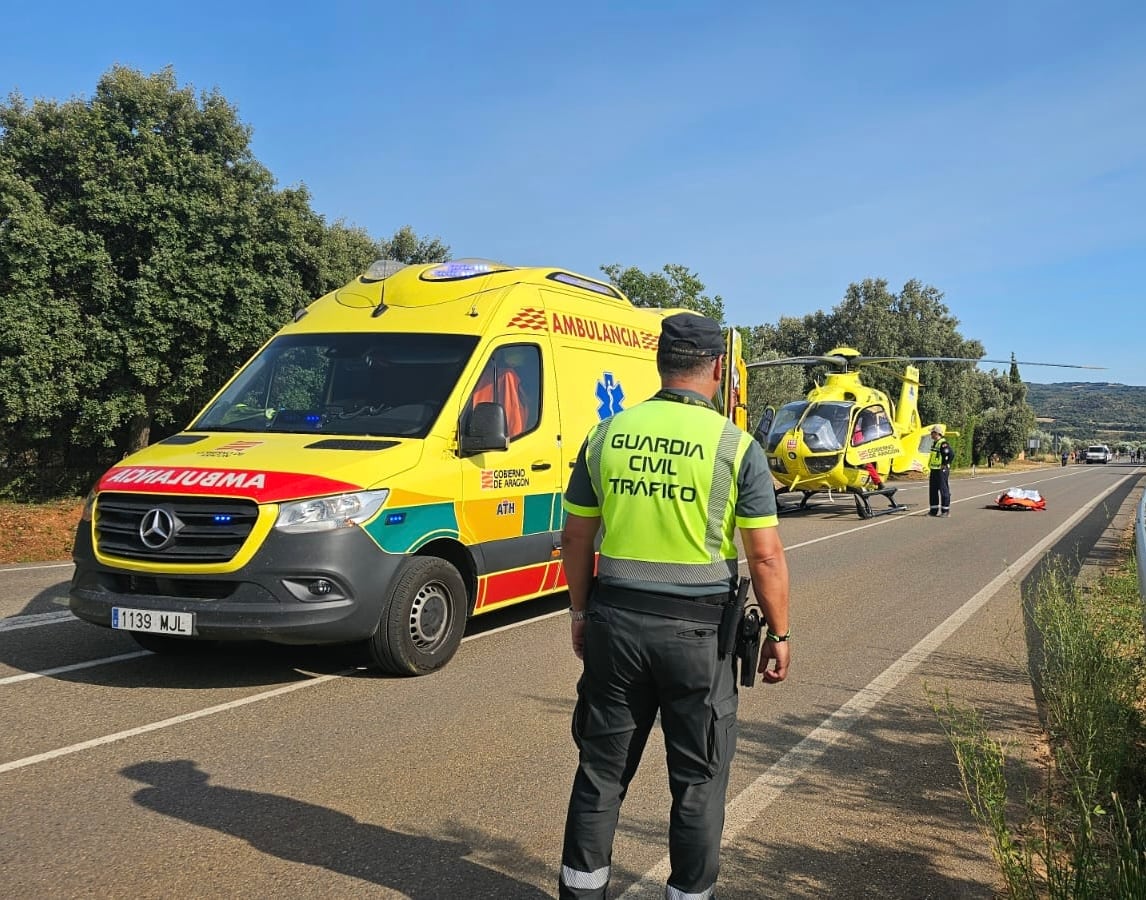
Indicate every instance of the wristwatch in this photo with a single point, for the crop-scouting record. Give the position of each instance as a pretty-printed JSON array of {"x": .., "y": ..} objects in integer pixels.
[{"x": 578, "y": 615}]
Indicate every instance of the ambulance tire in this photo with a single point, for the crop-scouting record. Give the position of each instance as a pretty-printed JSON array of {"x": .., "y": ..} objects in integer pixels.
[{"x": 423, "y": 619}]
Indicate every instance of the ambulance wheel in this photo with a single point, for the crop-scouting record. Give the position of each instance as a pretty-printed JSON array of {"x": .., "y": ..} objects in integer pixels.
[{"x": 423, "y": 619}]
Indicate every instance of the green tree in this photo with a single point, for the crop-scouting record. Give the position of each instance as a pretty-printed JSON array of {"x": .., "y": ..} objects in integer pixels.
[
  {"x": 675, "y": 287},
  {"x": 405, "y": 246},
  {"x": 1005, "y": 421},
  {"x": 348, "y": 251},
  {"x": 769, "y": 385},
  {"x": 879, "y": 322},
  {"x": 144, "y": 254}
]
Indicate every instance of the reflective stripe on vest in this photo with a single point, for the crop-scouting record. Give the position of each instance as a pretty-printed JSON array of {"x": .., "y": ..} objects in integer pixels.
[{"x": 665, "y": 476}]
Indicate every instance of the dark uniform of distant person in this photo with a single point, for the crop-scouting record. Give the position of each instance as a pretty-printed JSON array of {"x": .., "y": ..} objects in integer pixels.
[
  {"x": 667, "y": 483},
  {"x": 939, "y": 487}
]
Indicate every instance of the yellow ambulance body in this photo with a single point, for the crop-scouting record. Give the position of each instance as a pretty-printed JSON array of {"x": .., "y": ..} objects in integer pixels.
[{"x": 388, "y": 464}]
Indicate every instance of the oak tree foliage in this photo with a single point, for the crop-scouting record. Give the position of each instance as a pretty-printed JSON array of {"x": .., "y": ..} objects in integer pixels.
[
  {"x": 144, "y": 254},
  {"x": 876, "y": 321},
  {"x": 674, "y": 287}
]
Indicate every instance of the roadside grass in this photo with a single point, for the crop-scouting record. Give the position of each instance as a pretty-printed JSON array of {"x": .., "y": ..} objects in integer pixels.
[{"x": 1084, "y": 836}]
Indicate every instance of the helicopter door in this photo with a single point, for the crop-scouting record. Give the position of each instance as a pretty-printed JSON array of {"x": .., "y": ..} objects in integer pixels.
[{"x": 764, "y": 426}]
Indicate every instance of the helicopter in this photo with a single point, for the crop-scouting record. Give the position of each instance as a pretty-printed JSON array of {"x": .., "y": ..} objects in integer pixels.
[{"x": 848, "y": 437}]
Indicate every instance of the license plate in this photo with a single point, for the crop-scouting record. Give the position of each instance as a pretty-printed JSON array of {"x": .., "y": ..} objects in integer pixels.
[{"x": 152, "y": 620}]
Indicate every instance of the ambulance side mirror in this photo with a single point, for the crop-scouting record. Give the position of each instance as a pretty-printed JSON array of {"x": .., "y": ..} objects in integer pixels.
[{"x": 485, "y": 428}]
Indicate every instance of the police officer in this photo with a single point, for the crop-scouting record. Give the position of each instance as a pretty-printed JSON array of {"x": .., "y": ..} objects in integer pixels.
[
  {"x": 939, "y": 483},
  {"x": 667, "y": 483}
]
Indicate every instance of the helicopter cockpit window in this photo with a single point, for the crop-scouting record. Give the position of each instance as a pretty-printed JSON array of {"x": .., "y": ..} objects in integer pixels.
[
  {"x": 825, "y": 426},
  {"x": 872, "y": 423},
  {"x": 786, "y": 418}
]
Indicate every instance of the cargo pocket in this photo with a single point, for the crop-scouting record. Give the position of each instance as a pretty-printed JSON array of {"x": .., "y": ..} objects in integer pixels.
[{"x": 722, "y": 734}]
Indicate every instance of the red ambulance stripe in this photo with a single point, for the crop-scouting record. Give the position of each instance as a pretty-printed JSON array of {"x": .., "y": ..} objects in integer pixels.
[
  {"x": 503, "y": 586},
  {"x": 260, "y": 486},
  {"x": 554, "y": 577}
]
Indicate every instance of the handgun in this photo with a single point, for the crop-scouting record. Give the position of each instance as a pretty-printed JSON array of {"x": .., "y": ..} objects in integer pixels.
[{"x": 748, "y": 645}]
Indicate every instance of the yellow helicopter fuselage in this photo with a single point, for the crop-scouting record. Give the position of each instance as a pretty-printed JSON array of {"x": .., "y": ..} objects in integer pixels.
[{"x": 845, "y": 436}]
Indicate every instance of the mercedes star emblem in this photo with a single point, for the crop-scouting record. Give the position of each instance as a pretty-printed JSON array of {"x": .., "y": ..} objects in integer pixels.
[{"x": 157, "y": 529}]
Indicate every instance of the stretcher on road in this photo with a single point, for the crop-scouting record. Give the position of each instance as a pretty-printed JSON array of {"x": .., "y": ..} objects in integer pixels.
[{"x": 1019, "y": 498}]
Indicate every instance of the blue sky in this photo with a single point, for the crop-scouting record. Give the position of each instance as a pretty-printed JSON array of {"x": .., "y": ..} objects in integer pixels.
[{"x": 779, "y": 150}]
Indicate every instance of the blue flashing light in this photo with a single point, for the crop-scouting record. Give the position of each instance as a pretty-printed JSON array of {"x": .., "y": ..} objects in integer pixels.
[
  {"x": 463, "y": 268},
  {"x": 395, "y": 518},
  {"x": 222, "y": 518},
  {"x": 313, "y": 419}
]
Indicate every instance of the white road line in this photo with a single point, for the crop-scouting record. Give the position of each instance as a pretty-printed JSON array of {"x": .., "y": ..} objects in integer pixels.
[
  {"x": 36, "y": 566},
  {"x": 29, "y": 676},
  {"x": 15, "y": 623},
  {"x": 747, "y": 806},
  {"x": 166, "y": 723}
]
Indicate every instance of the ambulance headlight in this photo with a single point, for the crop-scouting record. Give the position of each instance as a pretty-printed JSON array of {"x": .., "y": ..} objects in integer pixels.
[{"x": 330, "y": 513}]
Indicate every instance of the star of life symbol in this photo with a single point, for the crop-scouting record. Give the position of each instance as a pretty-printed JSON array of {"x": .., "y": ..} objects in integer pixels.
[{"x": 611, "y": 396}]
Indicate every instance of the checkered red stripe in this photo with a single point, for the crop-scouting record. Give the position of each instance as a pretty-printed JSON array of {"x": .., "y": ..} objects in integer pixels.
[{"x": 529, "y": 318}]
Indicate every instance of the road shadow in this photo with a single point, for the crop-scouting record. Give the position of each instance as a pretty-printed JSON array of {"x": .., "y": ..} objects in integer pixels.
[
  {"x": 53, "y": 598},
  {"x": 421, "y": 868}
]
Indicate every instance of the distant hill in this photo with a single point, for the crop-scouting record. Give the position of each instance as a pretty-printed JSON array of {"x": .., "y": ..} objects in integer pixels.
[{"x": 1089, "y": 411}]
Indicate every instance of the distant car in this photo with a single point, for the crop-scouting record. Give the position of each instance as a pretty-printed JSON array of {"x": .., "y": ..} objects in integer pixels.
[{"x": 1098, "y": 453}]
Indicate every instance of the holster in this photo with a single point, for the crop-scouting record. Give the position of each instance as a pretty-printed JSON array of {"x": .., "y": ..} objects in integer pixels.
[{"x": 730, "y": 615}]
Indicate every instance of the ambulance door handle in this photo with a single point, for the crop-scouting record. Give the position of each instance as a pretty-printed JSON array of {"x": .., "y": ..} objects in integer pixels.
[{"x": 541, "y": 466}]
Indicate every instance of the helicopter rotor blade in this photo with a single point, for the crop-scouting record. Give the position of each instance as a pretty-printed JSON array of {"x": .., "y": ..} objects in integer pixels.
[
  {"x": 844, "y": 363},
  {"x": 876, "y": 360},
  {"x": 838, "y": 361}
]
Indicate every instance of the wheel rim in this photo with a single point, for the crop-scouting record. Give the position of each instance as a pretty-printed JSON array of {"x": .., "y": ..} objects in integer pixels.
[{"x": 430, "y": 616}]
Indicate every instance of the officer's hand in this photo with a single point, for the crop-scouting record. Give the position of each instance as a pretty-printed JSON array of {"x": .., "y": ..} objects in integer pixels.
[
  {"x": 577, "y": 630},
  {"x": 776, "y": 653}
]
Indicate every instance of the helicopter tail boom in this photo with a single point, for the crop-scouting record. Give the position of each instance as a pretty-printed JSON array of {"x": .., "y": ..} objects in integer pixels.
[{"x": 907, "y": 410}]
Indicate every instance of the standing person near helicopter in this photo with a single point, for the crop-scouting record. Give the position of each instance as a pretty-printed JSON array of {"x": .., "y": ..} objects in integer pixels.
[
  {"x": 667, "y": 483},
  {"x": 939, "y": 487}
]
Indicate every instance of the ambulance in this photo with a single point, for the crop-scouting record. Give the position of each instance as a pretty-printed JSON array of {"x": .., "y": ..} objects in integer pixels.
[{"x": 389, "y": 464}]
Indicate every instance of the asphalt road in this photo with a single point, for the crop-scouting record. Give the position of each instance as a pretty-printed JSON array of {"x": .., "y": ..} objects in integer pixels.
[{"x": 259, "y": 771}]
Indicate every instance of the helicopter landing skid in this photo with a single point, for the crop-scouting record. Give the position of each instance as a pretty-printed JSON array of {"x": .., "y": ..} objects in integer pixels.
[{"x": 863, "y": 508}]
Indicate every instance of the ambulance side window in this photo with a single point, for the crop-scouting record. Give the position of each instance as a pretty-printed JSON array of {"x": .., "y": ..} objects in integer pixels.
[{"x": 512, "y": 377}]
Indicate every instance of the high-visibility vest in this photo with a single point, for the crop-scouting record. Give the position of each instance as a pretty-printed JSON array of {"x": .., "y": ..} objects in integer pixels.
[
  {"x": 939, "y": 458},
  {"x": 665, "y": 475}
]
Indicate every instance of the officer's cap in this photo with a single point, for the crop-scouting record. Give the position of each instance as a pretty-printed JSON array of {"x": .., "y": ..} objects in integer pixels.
[
  {"x": 688, "y": 334},
  {"x": 938, "y": 429}
]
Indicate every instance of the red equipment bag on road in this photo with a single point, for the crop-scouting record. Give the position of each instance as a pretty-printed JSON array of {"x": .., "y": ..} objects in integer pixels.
[{"x": 1017, "y": 498}]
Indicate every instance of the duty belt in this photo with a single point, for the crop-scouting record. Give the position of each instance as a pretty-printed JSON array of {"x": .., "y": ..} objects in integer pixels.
[{"x": 707, "y": 609}]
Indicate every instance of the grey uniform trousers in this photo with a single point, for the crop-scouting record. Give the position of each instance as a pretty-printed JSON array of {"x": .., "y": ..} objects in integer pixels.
[{"x": 637, "y": 664}]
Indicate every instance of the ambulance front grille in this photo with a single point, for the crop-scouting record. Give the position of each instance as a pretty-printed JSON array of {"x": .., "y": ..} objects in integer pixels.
[{"x": 172, "y": 529}]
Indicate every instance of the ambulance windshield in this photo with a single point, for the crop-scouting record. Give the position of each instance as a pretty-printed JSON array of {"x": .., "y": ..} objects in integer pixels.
[{"x": 391, "y": 385}]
